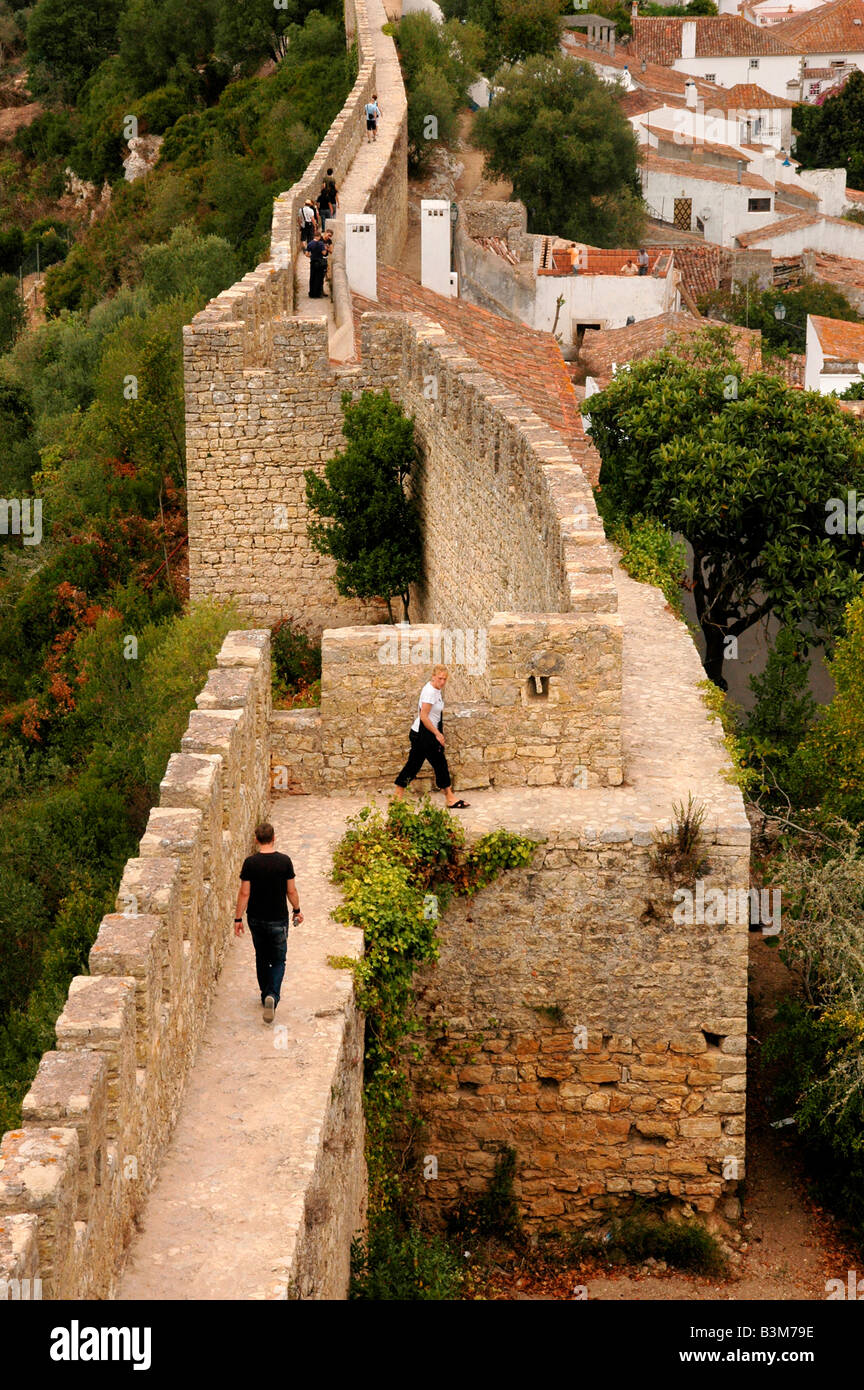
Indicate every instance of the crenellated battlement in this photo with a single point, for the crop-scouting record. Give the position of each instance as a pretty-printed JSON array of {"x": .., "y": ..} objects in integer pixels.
[{"x": 100, "y": 1111}]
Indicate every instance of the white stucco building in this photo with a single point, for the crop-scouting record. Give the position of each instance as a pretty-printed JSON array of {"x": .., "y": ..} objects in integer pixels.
[
  {"x": 796, "y": 56},
  {"x": 595, "y": 292},
  {"x": 835, "y": 354}
]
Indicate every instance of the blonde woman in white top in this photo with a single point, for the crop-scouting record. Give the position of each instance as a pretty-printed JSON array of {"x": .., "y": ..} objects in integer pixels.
[{"x": 427, "y": 740}]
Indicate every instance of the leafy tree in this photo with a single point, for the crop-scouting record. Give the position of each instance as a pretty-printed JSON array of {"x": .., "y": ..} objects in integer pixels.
[
  {"x": 559, "y": 134},
  {"x": 518, "y": 29},
  {"x": 439, "y": 63},
  {"x": 13, "y": 315},
  {"x": 241, "y": 204},
  {"x": 751, "y": 307},
  {"x": 65, "y": 43},
  {"x": 831, "y": 757},
  {"x": 165, "y": 42},
  {"x": 369, "y": 527},
  {"x": 257, "y": 29},
  {"x": 432, "y": 116},
  {"x": 514, "y": 29},
  {"x": 188, "y": 264},
  {"x": 11, "y": 250},
  {"x": 18, "y": 453},
  {"x": 833, "y": 134},
  {"x": 783, "y": 713},
  {"x": 743, "y": 468}
]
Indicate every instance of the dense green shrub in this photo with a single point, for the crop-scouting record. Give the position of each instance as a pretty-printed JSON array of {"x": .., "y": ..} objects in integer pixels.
[
  {"x": 296, "y": 667},
  {"x": 404, "y": 1264}
]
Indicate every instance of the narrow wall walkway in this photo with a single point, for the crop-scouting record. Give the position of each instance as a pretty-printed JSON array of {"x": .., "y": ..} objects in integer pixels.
[
  {"x": 366, "y": 166},
  {"x": 224, "y": 1217}
]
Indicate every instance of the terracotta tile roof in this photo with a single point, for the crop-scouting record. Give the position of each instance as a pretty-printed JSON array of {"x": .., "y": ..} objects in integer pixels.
[
  {"x": 526, "y": 363},
  {"x": 657, "y": 78},
  {"x": 689, "y": 142},
  {"x": 786, "y": 224},
  {"x": 828, "y": 29},
  {"x": 701, "y": 173},
  {"x": 699, "y": 266},
  {"x": 784, "y": 209},
  {"x": 817, "y": 72},
  {"x": 844, "y": 270},
  {"x": 840, "y": 341},
  {"x": 595, "y": 261},
  {"x": 640, "y": 103},
  {"x": 720, "y": 36},
  {"x": 603, "y": 347},
  {"x": 855, "y": 195},
  {"x": 797, "y": 190},
  {"x": 790, "y": 368},
  {"x": 748, "y": 96}
]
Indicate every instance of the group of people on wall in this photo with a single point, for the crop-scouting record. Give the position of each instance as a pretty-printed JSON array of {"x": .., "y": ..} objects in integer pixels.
[
  {"x": 318, "y": 243},
  {"x": 316, "y": 212}
]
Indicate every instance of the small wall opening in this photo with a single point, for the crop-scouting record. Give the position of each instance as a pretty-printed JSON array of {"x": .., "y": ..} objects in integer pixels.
[{"x": 537, "y": 688}]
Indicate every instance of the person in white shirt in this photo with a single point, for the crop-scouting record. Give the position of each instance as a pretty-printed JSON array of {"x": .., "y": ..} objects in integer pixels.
[{"x": 427, "y": 740}]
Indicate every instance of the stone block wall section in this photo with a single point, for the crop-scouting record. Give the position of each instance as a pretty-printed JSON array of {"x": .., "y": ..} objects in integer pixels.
[
  {"x": 570, "y": 1018},
  {"x": 551, "y": 714},
  {"x": 495, "y": 482},
  {"x": 104, "y": 1101},
  {"x": 509, "y": 518},
  {"x": 250, "y": 433}
]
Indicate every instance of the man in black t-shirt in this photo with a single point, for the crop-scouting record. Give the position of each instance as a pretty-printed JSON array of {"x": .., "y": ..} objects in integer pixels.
[{"x": 267, "y": 885}]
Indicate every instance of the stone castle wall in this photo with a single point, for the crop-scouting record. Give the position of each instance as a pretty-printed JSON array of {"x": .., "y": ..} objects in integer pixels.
[
  {"x": 495, "y": 483},
  {"x": 371, "y": 679},
  {"x": 103, "y": 1104},
  {"x": 263, "y": 399},
  {"x": 570, "y": 1018}
]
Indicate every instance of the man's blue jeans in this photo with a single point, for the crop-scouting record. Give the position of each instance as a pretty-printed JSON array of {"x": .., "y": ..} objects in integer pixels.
[{"x": 270, "y": 940}]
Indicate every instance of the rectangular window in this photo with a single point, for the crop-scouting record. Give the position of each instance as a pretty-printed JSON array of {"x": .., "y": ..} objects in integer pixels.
[
  {"x": 710, "y": 77},
  {"x": 758, "y": 204},
  {"x": 754, "y": 62},
  {"x": 814, "y": 88}
]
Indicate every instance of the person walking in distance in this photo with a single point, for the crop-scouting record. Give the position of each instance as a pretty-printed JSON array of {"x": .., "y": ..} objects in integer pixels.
[
  {"x": 373, "y": 116},
  {"x": 328, "y": 199},
  {"x": 267, "y": 885},
  {"x": 427, "y": 740}
]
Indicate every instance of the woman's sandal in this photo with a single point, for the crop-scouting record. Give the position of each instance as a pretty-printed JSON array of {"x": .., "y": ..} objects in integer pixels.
[{"x": 458, "y": 805}]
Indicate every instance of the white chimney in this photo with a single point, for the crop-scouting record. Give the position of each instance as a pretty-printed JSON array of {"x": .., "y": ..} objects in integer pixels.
[
  {"x": 361, "y": 257},
  {"x": 688, "y": 38},
  {"x": 769, "y": 166},
  {"x": 690, "y": 95},
  {"x": 435, "y": 245}
]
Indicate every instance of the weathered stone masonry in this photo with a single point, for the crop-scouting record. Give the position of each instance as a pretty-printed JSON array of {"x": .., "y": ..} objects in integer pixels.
[{"x": 100, "y": 1111}]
